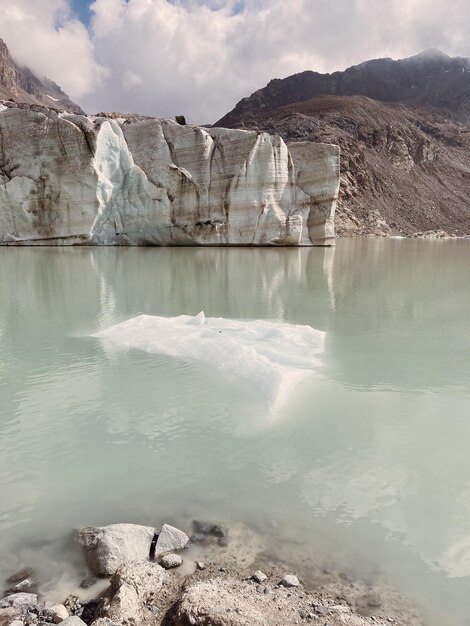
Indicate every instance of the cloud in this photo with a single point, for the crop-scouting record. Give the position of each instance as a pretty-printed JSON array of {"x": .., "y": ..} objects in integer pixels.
[
  {"x": 199, "y": 57},
  {"x": 45, "y": 36}
]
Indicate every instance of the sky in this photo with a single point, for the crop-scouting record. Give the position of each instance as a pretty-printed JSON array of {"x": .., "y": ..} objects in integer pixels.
[{"x": 198, "y": 58}]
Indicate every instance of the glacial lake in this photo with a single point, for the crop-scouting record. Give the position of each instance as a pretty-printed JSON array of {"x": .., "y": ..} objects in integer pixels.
[{"x": 366, "y": 467}]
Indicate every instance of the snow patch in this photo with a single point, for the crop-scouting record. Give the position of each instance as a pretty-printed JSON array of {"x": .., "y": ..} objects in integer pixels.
[{"x": 274, "y": 356}]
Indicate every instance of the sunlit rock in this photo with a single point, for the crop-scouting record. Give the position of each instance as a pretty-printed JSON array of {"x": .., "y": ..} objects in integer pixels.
[
  {"x": 133, "y": 590},
  {"x": 170, "y": 539},
  {"x": 106, "y": 548}
]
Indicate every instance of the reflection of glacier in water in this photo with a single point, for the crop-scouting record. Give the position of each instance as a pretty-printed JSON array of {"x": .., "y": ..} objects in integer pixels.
[{"x": 274, "y": 356}]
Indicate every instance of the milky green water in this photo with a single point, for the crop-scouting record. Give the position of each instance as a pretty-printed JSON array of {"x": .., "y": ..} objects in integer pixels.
[{"x": 367, "y": 465}]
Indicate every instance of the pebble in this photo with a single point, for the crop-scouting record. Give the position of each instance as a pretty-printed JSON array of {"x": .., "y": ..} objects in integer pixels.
[
  {"x": 260, "y": 588},
  {"x": 290, "y": 580},
  {"x": 259, "y": 576},
  {"x": 169, "y": 561},
  {"x": 200, "y": 565},
  {"x": 72, "y": 604}
]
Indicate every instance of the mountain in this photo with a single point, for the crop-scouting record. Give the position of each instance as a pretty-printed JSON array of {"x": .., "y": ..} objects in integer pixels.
[
  {"x": 431, "y": 79},
  {"x": 21, "y": 85},
  {"x": 403, "y": 128}
]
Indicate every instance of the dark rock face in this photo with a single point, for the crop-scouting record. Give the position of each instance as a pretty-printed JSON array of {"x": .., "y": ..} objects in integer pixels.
[
  {"x": 403, "y": 129},
  {"x": 430, "y": 79},
  {"x": 21, "y": 85}
]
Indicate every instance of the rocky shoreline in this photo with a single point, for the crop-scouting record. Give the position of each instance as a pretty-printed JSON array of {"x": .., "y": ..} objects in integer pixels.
[{"x": 138, "y": 575}]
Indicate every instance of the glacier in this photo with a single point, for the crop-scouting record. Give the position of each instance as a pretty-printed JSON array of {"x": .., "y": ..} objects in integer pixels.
[
  {"x": 274, "y": 356},
  {"x": 69, "y": 179}
]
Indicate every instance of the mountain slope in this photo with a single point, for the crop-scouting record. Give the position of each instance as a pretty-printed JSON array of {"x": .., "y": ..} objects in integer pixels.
[
  {"x": 403, "y": 131},
  {"x": 21, "y": 85},
  {"x": 431, "y": 79}
]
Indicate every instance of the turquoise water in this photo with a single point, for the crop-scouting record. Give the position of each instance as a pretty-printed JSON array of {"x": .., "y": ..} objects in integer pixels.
[{"x": 366, "y": 465}]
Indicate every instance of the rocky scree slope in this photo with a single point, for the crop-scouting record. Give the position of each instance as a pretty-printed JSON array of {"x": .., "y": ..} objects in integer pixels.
[
  {"x": 21, "y": 85},
  {"x": 403, "y": 128}
]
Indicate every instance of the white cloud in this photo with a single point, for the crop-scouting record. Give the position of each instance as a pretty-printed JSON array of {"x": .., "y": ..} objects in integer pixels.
[
  {"x": 44, "y": 35},
  {"x": 199, "y": 57}
]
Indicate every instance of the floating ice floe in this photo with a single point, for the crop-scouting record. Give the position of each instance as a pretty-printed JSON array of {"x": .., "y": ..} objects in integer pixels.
[{"x": 274, "y": 356}]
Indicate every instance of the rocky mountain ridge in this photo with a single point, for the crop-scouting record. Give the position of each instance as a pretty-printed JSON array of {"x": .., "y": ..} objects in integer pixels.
[
  {"x": 403, "y": 131},
  {"x": 431, "y": 79},
  {"x": 21, "y": 85}
]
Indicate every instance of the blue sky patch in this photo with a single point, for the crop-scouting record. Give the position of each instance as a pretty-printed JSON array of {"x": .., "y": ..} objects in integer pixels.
[{"x": 81, "y": 8}]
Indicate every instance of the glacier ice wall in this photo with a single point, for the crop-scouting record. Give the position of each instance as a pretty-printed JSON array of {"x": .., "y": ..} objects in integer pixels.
[{"x": 69, "y": 179}]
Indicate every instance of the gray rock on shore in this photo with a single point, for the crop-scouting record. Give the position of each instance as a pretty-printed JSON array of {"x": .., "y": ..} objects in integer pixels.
[
  {"x": 133, "y": 590},
  {"x": 18, "y": 600},
  {"x": 170, "y": 539},
  {"x": 106, "y": 548},
  {"x": 214, "y": 603}
]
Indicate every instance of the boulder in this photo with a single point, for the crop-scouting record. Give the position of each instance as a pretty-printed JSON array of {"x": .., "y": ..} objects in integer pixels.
[
  {"x": 170, "y": 539},
  {"x": 106, "y": 548},
  {"x": 19, "y": 600},
  {"x": 132, "y": 593},
  {"x": 218, "y": 602}
]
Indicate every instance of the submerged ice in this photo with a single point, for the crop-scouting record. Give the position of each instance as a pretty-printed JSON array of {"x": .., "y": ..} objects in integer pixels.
[{"x": 274, "y": 356}]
